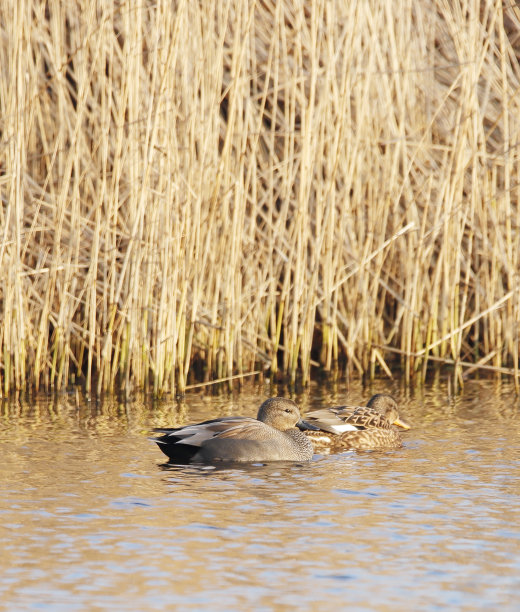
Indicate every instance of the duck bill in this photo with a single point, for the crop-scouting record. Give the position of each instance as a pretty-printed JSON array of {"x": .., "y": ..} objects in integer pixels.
[
  {"x": 400, "y": 423},
  {"x": 303, "y": 425}
]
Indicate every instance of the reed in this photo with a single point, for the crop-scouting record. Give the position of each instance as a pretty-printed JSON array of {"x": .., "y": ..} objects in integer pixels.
[{"x": 203, "y": 190}]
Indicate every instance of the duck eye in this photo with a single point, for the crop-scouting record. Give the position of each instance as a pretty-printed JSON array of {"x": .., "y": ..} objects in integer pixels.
[{"x": 288, "y": 410}]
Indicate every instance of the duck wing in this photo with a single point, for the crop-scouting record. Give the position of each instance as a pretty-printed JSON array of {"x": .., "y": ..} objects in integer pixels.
[
  {"x": 333, "y": 420},
  {"x": 200, "y": 433}
]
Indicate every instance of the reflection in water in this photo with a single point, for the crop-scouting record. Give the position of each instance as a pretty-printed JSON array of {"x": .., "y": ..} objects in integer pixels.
[{"x": 90, "y": 512}]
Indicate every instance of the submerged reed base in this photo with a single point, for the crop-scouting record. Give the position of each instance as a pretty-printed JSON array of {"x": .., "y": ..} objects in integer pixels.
[{"x": 256, "y": 187}]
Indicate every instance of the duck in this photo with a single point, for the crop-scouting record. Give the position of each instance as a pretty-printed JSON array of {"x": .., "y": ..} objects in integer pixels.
[
  {"x": 277, "y": 434},
  {"x": 357, "y": 427}
]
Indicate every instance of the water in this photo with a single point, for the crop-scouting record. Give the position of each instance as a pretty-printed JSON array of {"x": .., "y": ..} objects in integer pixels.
[{"x": 92, "y": 519}]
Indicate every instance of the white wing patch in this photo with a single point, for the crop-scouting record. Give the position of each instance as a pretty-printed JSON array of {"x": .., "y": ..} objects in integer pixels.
[{"x": 343, "y": 427}]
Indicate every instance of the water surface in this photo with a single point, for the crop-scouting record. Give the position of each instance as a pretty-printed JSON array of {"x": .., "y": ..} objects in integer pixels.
[{"x": 91, "y": 518}]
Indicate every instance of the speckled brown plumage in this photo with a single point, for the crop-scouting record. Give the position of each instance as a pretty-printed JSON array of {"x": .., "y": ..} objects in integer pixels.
[{"x": 357, "y": 427}]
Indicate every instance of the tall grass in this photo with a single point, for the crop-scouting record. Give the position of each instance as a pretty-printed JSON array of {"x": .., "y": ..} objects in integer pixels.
[{"x": 226, "y": 187}]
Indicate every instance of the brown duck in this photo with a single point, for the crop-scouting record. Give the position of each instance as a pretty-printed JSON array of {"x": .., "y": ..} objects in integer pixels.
[{"x": 357, "y": 427}]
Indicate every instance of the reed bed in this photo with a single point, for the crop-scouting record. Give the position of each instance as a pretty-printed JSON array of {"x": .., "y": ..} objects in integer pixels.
[{"x": 206, "y": 190}]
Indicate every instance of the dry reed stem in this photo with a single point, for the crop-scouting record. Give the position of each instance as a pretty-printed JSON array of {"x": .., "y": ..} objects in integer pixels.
[{"x": 232, "y": 185}]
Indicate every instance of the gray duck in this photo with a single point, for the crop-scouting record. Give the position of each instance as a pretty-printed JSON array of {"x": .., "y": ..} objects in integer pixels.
[{"x": 275, "y": 435}]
